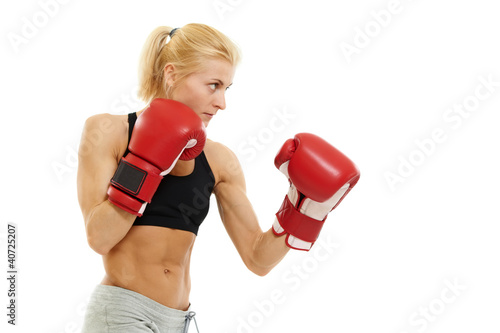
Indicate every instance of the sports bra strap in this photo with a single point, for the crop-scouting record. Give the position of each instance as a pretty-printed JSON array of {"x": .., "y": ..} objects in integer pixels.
[{"x": 132, "y": 117}]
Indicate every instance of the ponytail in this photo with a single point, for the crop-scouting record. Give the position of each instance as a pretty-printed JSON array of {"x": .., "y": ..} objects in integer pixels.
[
  {"x": 150, "y": 71},
  {"x": 187, "y": 49}
]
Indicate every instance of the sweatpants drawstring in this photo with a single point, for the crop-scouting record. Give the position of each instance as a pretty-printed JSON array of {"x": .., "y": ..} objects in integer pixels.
[{"x": 190, "y": 316}]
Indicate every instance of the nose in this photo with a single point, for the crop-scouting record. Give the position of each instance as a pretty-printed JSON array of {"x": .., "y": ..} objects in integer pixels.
[{"x": 220, "y": 101}]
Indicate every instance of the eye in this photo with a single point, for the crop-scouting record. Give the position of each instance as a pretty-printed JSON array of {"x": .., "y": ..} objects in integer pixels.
[{"x": 213, "y": 86}]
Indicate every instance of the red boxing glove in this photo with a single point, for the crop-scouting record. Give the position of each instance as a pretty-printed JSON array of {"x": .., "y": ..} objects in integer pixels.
[
  {"x": 320, "y": 176},
  {"x": 165, "y": 132}
]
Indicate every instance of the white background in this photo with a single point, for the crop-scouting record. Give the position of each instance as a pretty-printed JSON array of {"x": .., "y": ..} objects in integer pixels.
[{"x": 394, "y": 250}]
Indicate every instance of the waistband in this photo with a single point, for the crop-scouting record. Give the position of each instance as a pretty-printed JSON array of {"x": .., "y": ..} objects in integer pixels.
[{"x": 123, "y": 297}]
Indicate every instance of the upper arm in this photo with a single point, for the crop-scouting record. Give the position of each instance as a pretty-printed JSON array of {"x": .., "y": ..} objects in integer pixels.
[
  {"x": 235, "y": 209},
  {"x": 97, "y": 160}
]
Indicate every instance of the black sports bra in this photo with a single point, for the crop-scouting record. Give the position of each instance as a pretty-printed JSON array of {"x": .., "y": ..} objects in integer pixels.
[{"x": 180, "y": 202}]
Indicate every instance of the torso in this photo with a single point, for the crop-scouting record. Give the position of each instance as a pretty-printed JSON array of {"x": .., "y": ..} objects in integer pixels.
[{"x": 154, "y": 261}]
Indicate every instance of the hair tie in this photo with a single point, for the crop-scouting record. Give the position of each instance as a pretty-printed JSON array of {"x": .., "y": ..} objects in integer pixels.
[{"x": 172, "y": 32}]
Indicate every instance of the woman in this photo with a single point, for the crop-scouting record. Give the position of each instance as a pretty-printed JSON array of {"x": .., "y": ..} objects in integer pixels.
[
  {"x": 147, "y": 283},
  {"x": 146, "y": 239}
]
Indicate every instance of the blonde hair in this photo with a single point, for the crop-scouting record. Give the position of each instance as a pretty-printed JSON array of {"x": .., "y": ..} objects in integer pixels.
[{"x": 187, "y": 50}]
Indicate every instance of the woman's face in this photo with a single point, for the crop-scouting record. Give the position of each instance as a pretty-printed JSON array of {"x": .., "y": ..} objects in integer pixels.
[{"x": 204, "y": 91}]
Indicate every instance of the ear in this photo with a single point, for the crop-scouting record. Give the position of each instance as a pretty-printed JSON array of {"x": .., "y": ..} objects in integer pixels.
[{"x": 169, "y": 74}]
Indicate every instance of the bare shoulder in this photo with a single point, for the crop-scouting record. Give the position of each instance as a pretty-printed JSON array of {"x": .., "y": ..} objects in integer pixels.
[
  {"x": 104, "y": 132},
  {"x": 218, "y": 151},
  {"x": 223, "y": 162},
  {"x": 106, "y": 123}
]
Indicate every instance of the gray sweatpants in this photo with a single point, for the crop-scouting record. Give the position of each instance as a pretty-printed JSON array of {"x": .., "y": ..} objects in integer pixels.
[{"x": 114, "y": 309}]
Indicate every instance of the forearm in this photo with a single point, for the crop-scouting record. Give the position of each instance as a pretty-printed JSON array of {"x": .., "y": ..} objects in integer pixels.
[
  {"x": 106, "y": 225},
  {"x": 268, "y": 251}
]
